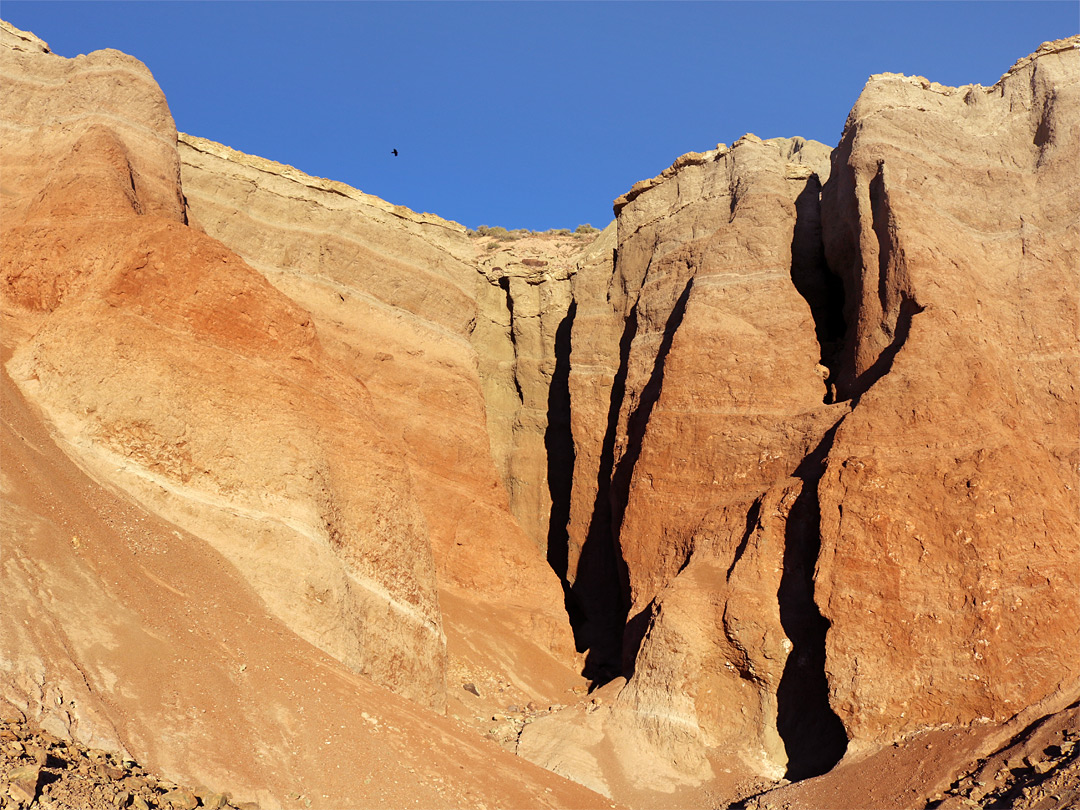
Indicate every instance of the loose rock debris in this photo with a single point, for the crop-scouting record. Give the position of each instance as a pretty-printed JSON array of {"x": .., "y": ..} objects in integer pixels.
[{"x": 39, "y": 770}]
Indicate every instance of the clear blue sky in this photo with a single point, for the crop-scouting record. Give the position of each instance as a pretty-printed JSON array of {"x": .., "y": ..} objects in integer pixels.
[{"x": 529, "y": 114}]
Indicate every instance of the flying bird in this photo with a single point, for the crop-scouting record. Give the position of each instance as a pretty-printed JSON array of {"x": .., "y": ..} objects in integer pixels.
[{"x": 394, "y": 151}]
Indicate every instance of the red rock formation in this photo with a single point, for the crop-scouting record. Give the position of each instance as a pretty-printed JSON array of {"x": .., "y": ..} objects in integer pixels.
[
  {"x": 252, "y": 532},
  {"x": 720, "y": 397},
  {"x": 175, "y": 371},
  {"x": 396, "y": 298},
  {"x": 800, "y": 441},
  {"x": 950, "y": 566},
  {"x": 941, "y": 487}
]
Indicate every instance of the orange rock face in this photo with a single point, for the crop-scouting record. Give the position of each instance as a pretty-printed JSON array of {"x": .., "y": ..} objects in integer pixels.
[
  {"x": 837, "y": 498},
  {"x": 789, "y": 452},
  {"x": 950, "y": 567},
  {"x": 720, "y": 394},
  {"x": 173, "y": 370}
]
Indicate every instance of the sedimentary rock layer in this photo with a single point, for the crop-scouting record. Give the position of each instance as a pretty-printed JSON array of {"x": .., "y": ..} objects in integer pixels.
[
  {"x": 796, "y": 436},
  {"x": 950, "y": 567},
  {"x": 709, "y": 351},
  {"x": 173, "y": 370},
  {"x": 398, "y": 300},
  {"x": 876, "y": 360}
]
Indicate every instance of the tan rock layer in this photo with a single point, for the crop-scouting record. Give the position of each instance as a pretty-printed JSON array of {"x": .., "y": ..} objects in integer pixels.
[
  {"x": 402, "y": 304},
  {"x": 949, "y": 505}
]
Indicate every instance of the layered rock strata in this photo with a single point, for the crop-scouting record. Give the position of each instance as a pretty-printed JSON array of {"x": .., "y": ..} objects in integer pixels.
[
  {"x": 398, "y": 299},
  {"x": 950, "y": 566},
  {"x": 796, "y": 435},
  {"x": 717, "y": 390},
  {"x": 172, "y": 369},
  {"x": 837, "y": 498}
]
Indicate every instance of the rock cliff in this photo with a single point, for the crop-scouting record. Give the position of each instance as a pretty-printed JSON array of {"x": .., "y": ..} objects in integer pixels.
[
  {"x": 398, "y": 300},
  {"x": 950, "y": 564},
  {"x": 788, "y": 453},
  {"x": 836, "y": 501}
]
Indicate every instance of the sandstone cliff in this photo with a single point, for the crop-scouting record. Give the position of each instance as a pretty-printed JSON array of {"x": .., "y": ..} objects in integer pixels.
[
  {"x": 836, "y": 504},
  {"x": 398, "y": 300},
  {"x": 173, "y": 370},
  {"x": 789, "y": 452},
  {"x": 950, "y": 565},
  {"x": 243, "y": 474}
]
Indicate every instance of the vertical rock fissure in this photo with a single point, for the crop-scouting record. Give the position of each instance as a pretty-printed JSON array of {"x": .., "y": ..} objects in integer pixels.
[
  {"x": 822, "y": 289},
  {"x": 504, "y": 284},
  {"x": 601, "y": 586},
  {"x": 813, "y": 735},
  {"x": 559, "y": 445},
  {"x": 909, "y": 308}
]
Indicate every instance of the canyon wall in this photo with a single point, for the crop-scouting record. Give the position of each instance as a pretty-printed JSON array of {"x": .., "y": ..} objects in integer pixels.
[
  {"x": 171, "y": 369},
  {"x": 836, "y": 501},
  {"x": 399, "y": 302},
  {"x": 287, "y": 445},
  {"x": 788, "y": 452},
  {"x": 950, "y": 563}
]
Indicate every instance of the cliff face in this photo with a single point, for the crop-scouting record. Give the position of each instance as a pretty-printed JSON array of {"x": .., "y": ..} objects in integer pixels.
[
  {"x": 398, "y": 299},
  {"x": 717, "y": 396},
  {"x": 788, "y": 451},
  {"x": 171, "y": 369},
  {"x": 303, "y": 419},
  {"x": 950, "y": 565},
  {"x": 837, "y": 492}
]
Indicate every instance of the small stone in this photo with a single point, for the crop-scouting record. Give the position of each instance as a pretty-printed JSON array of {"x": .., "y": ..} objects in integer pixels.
[
  {"x": 512, "y": 708},
  {"x": 24, "y": 783},
  {"x": 1043, "y": 767},
  {"x": 139, "y": 803},
  {"x": 134, "y": 783},
  {"x": 123, "y": 798},
  {"x": 180, "y": 798},
  {"x": 471, "y": 687},
  {"x": 531, "y": 706},
  {"x": 216, "y": 801},
  {"x": 109, "y": 772}
]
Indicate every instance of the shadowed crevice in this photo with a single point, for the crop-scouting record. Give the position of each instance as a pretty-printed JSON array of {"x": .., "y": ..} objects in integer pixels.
[
  {"x": 504, "y": 285},
  {"x": 601, "y": 585},
  {"x": 882, "y": 225},
  {"x": 822, "y": 289},
  {"x": 753, "y": 515},
  {"x": 559, "y": 444},
  {"x": 813, "y": 735},
  {"x": 909, "y": 308}
]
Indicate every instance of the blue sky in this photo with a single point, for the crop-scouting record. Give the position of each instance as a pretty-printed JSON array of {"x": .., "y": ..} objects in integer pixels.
[{"x": 529, "y": 114}]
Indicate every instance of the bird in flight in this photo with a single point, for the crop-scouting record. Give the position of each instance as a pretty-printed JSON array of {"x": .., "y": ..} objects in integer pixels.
[{"x": 394, "y": 151}]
